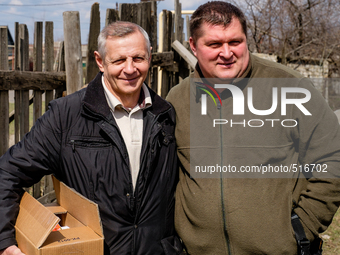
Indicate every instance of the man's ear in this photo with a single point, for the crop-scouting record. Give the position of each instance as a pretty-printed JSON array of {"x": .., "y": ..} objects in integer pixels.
[
  {"x": 192, "y": 45},
  {"x": 99, "y": 61}
]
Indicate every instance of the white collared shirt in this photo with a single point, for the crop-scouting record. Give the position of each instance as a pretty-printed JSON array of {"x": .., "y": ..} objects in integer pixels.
[{"x": 130, "y": 124}]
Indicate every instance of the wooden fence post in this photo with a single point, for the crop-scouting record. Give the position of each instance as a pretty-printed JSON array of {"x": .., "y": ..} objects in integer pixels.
[
  {"x": 17, "y": 92},
  {"x": 167, "y": 31},
  {"x": 153, "y": 38},
  {"x": 179, "y": 22},
  {"x": 187, "y": 20},
  {"x": 4, "y": 101},
  {"x": 37, "y": 67},
  {"x": 24, "y": 94},
  {"x": 60, "y": 67},
  {"x": 73, "y": 53},
  {"x": 91, "y": 65},
  {"x": 112, "y": 15},
  {"x": 144, "y": 20},
  {"x": 49, "y": 57},
  {"x": 49, "y": 60},
  {"x": 37, "y": 94}
]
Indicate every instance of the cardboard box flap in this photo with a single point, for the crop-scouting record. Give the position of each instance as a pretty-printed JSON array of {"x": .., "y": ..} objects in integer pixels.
[
  {"x": 85, "y": 210},
  {"x": 34, "y": 220}
]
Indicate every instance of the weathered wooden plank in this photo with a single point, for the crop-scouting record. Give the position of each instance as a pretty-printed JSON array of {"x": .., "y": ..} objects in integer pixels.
[
  {"x": 24, "y": 47},
  {"x": 178, "y": 35},
  {"x": 4, "y": 125},
  {"x": 37, "y": 94},
  {"x": 22, "y": 99},
  {"x": 24, "y": 94},
  {"x": 15, "y": 80},
  {"x": 174, "y": 68},
  {"x": 153, "y": 26},
  {"x": 91, "y": 65},
  {"x": 48, "y": 187},
  {"x": 153, "y": 39},
  {"x": 49, "y": 60},
  {"x": 49, "y": 57},
  {"x": 112, "y": 15},
  {"x": 143, "y": 12},
  {"x": 187, "y": 20},
  {"x": 145, "y": 15},
  {"x": 178, "y": 21},
  {"x": 3, "y": 48},
  {"x": 73, "y": 55},
  {"x": 37, "y": 46},
  {"x": 24, "y": 116},
  {"x": 4, "y": 101},
  {"x": 61, "y": 68},
  {"x": 37, "y": 66},
  {"x": 61, "y": 58},
  {"x": 189, "y": 58},
  {"x": 49, "y": 96},
  {"x": 167, "y": 31},
  {"x": 16, "y": 47},
  {"x": 124, "y": 12},
  {"x": 49, "y": 46},
  {"x": 140, "y": 14},
  {"x": 17, "y": 109},
  {"x": 162, "y": 58},
  {"x": 23, "y": 102},
  {"x": 12, "y": 113},
  {"x": 17, "y": 92}
]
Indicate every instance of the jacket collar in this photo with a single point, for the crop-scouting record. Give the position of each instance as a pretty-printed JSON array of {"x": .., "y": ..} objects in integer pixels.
[
  {"x": 96, "y": 106},
  {"x": 94, "y": 102}
]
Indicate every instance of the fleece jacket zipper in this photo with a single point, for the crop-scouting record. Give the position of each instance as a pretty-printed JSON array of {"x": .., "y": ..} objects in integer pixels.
[{"x": 222, "y": 189}]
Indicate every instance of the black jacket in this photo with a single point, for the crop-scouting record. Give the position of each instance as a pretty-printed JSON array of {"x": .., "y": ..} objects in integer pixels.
[{"x": 79, "y": 142}]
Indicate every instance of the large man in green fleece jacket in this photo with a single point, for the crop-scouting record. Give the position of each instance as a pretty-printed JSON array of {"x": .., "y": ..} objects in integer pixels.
[{"x": 246, "y": 166}]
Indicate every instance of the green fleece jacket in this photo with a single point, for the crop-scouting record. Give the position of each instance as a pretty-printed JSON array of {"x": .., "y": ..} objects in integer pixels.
[{"x": 234, "y": 212}]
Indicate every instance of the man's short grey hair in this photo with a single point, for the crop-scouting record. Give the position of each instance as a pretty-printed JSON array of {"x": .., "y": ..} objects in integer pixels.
[{"x": 120, "y": 29}]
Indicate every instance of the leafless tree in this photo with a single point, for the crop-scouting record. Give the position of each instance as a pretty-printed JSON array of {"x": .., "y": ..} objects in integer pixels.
[{"x": 294, "y": 29}]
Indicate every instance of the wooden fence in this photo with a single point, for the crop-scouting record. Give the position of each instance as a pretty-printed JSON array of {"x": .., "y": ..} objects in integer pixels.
[{"x": 52, "y": 76}]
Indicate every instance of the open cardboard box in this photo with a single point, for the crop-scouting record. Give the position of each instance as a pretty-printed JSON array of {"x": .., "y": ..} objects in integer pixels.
[{"x": 35, "y": 224}]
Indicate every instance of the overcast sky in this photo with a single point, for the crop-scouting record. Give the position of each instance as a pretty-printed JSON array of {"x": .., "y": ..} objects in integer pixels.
[{"x": 29, "y": 11}]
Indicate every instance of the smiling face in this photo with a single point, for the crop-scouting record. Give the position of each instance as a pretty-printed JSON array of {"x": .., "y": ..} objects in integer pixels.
[
  {"x": 125, "y": 66},
  {"x": 221, "y": 52}
]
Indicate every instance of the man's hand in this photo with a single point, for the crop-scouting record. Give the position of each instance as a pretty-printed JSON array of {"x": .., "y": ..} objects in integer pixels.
[{"x": 11, "y": 250}]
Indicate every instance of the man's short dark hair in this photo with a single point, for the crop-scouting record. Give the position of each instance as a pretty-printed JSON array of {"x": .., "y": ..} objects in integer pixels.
[{"x": 215, "y": 13}]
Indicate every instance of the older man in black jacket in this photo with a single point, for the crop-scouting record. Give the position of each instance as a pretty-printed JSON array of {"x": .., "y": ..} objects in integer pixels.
[{"x": 113, "y": 142}]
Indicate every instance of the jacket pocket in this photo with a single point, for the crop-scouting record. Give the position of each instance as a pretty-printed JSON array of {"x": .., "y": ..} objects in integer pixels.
[
  {"x": 172, "y": 245},
  {"x": 88, "y": 142}
]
